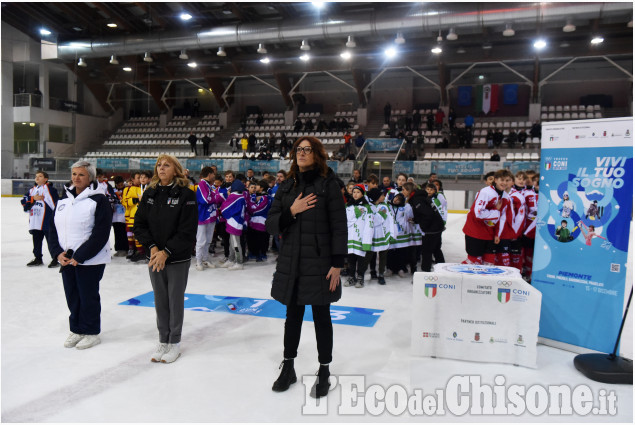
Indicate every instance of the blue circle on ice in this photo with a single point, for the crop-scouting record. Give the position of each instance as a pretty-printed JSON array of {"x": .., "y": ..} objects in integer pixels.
[{"x": 472, "y": 269}]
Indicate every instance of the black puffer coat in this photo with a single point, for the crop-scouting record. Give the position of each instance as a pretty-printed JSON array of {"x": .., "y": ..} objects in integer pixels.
[{"x": 312, "y": 243}]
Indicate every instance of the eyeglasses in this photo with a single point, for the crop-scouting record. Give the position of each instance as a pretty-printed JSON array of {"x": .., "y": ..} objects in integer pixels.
[{"x": 306, "y": 149}]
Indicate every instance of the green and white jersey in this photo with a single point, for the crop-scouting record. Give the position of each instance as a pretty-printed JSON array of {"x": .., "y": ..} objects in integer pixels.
[
  {"x": 441, "y": 204},
  {"x": 384, "y": 223},
  {"x": 360, "y": 229},
  {"x": 406, "y": 233}
]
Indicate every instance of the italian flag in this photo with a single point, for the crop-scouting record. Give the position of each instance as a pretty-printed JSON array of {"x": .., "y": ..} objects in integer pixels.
[{"x": 487, "y": 98}]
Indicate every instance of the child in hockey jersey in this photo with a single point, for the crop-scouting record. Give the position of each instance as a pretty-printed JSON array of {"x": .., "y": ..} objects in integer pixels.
[
  {"x": 511, "y": 224},
  {"x": 40, "y": 203},
  {"x": 531, "y": 200},
  {"x": 429, "y": 217},
  {"x": 481, "y": 222},
  {"x": 258, "y": 204},
  {"x": 383, "y": 225},
  {"x": 233, "y": 210},
  {"x": 401, "y": 240},
  {"x": 359, "y": 215},
  {"x": 208, "y": 199}
]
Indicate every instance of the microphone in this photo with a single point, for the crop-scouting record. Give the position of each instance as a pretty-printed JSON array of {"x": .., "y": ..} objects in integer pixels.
[{"x": 67, "y": 254}]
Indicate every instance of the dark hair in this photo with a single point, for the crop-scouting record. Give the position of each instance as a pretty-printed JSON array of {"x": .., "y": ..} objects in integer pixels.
[
  {"x": 431, "y": 186},
  {"x": 503, "y": 173},
  {"x": 206, "y": 171},
  {"x": 319, "y": 156},
  {"x": 563, "y": 221},
  {"x": 490, "y": 174},
  {"x": 409, "y": 186},
  {"x": 99, "y": 172},
  {"x": 118, "y": 179},
  {"x": 44, "y": 173},
  {"x": 147, "y": 173},
  {"x": 283, "y": 172},
  {"x": 264, "y": 183},
  {"x": 403, "y": 174},
  {"x": 252, "y": 183},
  {"x": 241, "y": 177},
  {"x": 229, "y": 172},
  {"x": 373, "y": 179},
  {"x": 440, "y": 184}
]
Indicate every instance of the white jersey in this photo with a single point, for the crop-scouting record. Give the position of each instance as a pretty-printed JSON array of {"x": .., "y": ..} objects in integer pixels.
[{"x": 37, "y": 213}]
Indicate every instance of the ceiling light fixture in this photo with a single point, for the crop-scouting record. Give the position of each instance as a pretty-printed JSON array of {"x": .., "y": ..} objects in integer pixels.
[
  {"x": 305, "y": 46},
  {"x": 346, "y": 55},
  {"x": 265, "y": 60},
  {"x": 439, "y": 37},
  {"x": 111, "y": 25},
  {"x": 509, "y": 31},
  {"x": 82, "y": 63},
  {"x": 185, "y": 16},
  {"x": 261, "y": 49},
  {"x": 113, "y": 60},
  {"x": 351, "y": 42},
  {"x": 318, "y": 4},
  {"x": 460, "y": 50},
  {"x": 400, "y": 39},
  {"x": 569, "y": 27},
  {"x": 390, "y": 52},
  {"x": 184, "y": 55},
  {"x": 487, "y": 46},
  {"x": 451, "y": 35},
  {"x": 305, "y": 57},
  {"x": 44, "y": 31},
  {"x": 481, "y": 77},
  {"x": 147, "y": 57},
  {"x": 540, "y": 44},
  {"x": 436, "y": 50},
  {"x": 221, "y": 51},
  {"x": 598, "y": 39},
  {"x": 192, "y": 65},
  {"x": 127, "y": 69}
]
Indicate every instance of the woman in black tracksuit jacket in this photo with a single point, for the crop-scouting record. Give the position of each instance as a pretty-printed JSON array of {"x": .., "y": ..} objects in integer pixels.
[
  {"x": 165, "y": 224},
  {"x": 308, "y": 211}
]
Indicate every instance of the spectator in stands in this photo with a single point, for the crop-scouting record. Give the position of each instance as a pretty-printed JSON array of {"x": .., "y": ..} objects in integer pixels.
[
  {"x": 37, "y": 98},
  {"x": 259, "y": 120},
  {"x": 490, "y": 138},
  {"x": 357, "y": 176},
  {"x": 445, "y": 135},
  {"x": 192, "y": 140},
  {"x": 469, "y": 122},
  {"x": 206, "y": 141},
  {"x": 322, "y": 125},
  {"x": 268, "y": 156},
  {"x": 244, "y": 144},
  {"x": 469, "y": 136},
  {"x": 308, "y": 125},
  {"x": 430, "y": 120},
  {"x": 195, "y": 107},
  {"x": 284, "y": 146},
  {"x": 536, "y": 130},
  {"x": 416, "y": 120},
  {"x": 251, "y": 143},
  {"x": 495, "y": 157},
  {"x": 262, "y": 156},
  {"x": 498, "y": 137},
  {"x": 271, "y": 145},
  {"x": 392, "y": 127},
  {"x": 333, "y": 125},
  {"x": 340, "y": 154},
  {"x": 243, "y": 123},
  {"x": 522, "y": 137},
  {"x": 408, "y": 123},
  {"x": 401, "y": 134},
  {"x": 409, "y": 138},
  {"x": 387, "y": 112},
  {"x": 359, "y": 140},
  {"x": 420, "y": 141},
  {"x": 438, "y": 118},
  {"x": 512, "y": 138},
  {"x": 297, "y": 125},
  {"x": 452, "y": 118},
  {"x": 344, "y": 125},
  {"x": 233, "y": 142}
]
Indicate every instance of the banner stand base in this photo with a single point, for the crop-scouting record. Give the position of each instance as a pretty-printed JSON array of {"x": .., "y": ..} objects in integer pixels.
[{"x": 605, "y": 368}]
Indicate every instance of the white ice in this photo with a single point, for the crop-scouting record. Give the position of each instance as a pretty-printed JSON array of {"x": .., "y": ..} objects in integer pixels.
[{"x": 229, "y": 362}]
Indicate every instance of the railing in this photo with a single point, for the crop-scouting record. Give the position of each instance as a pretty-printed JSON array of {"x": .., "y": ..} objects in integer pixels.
[
  {"x": 361, "y": 156},
  {"x": 64, "y": 105}
]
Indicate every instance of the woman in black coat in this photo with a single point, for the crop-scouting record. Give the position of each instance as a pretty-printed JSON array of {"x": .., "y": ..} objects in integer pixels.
[{"x": 309, "y": 212}]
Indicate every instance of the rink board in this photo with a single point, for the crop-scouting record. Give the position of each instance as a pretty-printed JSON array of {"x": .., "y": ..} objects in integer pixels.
[{"x": 262, "y": 307}]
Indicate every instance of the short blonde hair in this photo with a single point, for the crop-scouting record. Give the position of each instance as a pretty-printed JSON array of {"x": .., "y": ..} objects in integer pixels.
[{"x": 179, "y": 174}]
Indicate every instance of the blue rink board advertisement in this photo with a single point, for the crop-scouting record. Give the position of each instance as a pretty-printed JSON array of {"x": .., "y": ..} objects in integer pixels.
[{"x": 582, "y": 230}]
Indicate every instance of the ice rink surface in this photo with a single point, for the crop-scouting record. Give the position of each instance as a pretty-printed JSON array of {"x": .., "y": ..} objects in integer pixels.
[{"x": 228, "y": 362}]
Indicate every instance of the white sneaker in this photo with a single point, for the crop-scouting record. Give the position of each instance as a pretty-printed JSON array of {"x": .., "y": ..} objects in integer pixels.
[
  {"x": 209, "y": 265},
  {"x": 235, "y": 266},
  {"x": 401, "y": 273},
  {"x": 225, "y": 263},
  {"x": 72, "y": 340},
  {"x": 388, "y": 273},
  {"x": 199, "y": 267},
  {"x": 173, "y": 352},
  {"x": 88, "y": 341},
  {"x": 162, "y": 348}
]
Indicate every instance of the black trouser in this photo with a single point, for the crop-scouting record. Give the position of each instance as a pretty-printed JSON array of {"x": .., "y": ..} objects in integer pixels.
[
  {"x": 38, "y": 237},
  {"x": 222, "y": 233},
  {"x": 121, "y": 239},
  {"x": 431, "y": 243},
  {"x": 193, "y": 146},
  {"x": 81, "y": 287},
  {"x": 257, "y": 242},
  {"x": 293, "y": 329},
  {"x": 357, "y": 262},
  {"x": 437, "y": 254},
  {"x": 205, "y": 148},
  {"x": 400, "y": 258},
  {"x": 371, "y": 257}
]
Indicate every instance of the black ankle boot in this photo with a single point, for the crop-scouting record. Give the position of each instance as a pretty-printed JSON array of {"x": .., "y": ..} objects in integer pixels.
[
  {"x": 321, "y": 387},
  {"x": 286, "y": 378}
]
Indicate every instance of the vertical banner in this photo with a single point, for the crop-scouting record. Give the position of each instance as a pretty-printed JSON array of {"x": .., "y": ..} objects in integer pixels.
[
  {"x": 464, "y": 96},
  {"x": 582, "y": 230},
  {"x": 510, "y": 94},
  {"x": 487, "y": 98}
]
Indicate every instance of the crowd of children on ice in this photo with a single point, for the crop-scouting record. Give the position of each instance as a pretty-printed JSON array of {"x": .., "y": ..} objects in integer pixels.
[{"x": 392, "y": 226}]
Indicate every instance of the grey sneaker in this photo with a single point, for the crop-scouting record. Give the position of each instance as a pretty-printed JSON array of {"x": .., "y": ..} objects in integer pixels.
[
  {"x": 161, "y": 349},
  {"x": 72, "y": 340},
  {"x": 173, "y": 352},
  {"x": 88, "y": 341},
  {"x": 350, "y": 281}
]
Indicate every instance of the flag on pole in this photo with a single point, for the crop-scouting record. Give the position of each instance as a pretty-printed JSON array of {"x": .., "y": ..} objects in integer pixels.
[
  {"x": 465, "y": 96},
  {"x": 487, "y": 98}
]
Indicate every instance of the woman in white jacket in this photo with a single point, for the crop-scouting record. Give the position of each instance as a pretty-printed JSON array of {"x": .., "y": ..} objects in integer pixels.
[{"x": 79, "y": 240}]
